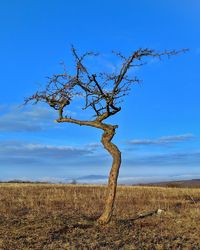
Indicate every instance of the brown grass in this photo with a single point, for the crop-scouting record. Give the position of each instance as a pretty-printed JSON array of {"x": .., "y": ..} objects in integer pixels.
[{"x": 46, "y": 216}]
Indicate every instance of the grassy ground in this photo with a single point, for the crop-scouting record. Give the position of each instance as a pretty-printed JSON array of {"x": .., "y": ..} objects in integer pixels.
[{"x": 42, "y": 216}]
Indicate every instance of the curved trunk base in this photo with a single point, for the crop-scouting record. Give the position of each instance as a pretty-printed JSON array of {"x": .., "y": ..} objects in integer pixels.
[{"x": 114, "y": 172}]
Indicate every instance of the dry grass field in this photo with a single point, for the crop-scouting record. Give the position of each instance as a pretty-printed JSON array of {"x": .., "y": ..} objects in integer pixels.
[{"x": 47, "y": 216}]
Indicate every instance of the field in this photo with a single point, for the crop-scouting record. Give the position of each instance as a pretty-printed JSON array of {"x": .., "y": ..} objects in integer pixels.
[{"x": 48, "y": 216}]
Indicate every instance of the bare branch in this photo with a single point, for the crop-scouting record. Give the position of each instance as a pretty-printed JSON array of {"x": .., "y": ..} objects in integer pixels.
[{"x": 102, "y": 93}]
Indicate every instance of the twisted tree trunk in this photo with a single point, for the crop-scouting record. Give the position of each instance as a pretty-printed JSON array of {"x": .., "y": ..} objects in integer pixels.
[
  {"x": 107, "y": 136},
  {"x": 109, "y": 132}
]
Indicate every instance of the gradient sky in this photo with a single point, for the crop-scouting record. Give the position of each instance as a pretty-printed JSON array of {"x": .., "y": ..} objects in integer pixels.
[{"x": 158, "y": 130}]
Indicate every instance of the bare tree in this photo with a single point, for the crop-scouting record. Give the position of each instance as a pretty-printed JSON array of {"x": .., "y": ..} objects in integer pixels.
[{"x": 103, "y": 93}]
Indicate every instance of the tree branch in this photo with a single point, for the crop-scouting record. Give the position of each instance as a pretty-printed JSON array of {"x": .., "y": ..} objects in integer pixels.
[{"x": 103, "y": 97}]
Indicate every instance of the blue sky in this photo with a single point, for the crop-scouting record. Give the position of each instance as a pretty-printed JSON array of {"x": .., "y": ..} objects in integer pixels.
[{"x": 158, "y": 130}]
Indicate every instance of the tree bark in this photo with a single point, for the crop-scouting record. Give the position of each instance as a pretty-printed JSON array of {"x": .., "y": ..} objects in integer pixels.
[
  {"x": 109, "y": 132},
  {"x": 107, "y": 136}
]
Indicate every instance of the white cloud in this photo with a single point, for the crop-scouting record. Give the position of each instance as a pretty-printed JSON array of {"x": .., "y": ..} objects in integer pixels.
[
  {"x": 30, "y": 118},
  {"x": 22, "y": 119},
  {"x": 163, "y": 140},
  {"x": 16, "y": 152}
]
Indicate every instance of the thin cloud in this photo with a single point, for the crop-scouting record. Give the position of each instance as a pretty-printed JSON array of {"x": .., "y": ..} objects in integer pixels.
[
  {"x": 27, "y": 119},
  {"x": 41, "y": 149},
  {"x": 165, "y": 140},
  {"x": 22, "y": 153},
  {"x": 16, "y": 119},
  {"x": 94, "y": 146},
  {"x": 168, "y": 159}
]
